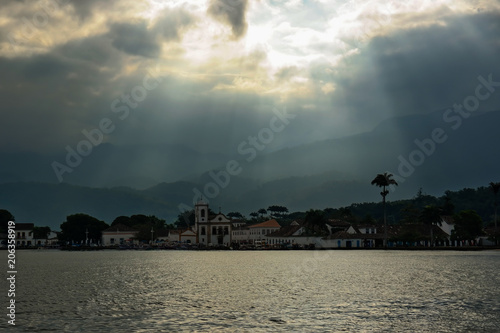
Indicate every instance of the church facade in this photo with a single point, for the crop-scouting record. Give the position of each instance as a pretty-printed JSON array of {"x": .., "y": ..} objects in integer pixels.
[{"x": 211, "y": 230}]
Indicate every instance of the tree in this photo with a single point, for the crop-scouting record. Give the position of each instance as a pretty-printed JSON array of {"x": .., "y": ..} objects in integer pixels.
[
  {"x": 384, "y": 180},
  {"x": 277, "y": 210},
  {"x": 367, "y": 219},
  {"x": 315, "y": 220},
  {"x": 495, "y": 187},
  {"x": 235, "y": 215},
  {"x": 468, "y": 225},
  {"x": 5, "y": 217},
  {"x": 76, "y": 226},
  {"x": 254, "y": 215},
  {"x": 185, "y": 219},
  {"x": 125, "y": 220},
  {"x": 144, "y": 232},
  {"x": 41, "y": 232},
  {"x": 262, "y": 211},
  {"x": 345, "y": 213},
  {"x": 410, "y": 214},
  {"x": 145, "y": 223},
  {"x": 282, "y": 210},
  {"x": 448, "y": 207},
  {"x": 431, "y": 215}
]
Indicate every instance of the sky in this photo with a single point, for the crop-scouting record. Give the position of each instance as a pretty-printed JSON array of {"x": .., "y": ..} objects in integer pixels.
[{"x": 207, "y": 74}]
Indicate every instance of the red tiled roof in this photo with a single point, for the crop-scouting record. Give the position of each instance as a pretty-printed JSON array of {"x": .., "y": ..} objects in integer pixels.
[{"x": 268, "y": 224}]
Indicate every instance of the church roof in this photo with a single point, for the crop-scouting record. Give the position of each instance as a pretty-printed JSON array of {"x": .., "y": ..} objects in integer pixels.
[{"x": 268, "y": 224}]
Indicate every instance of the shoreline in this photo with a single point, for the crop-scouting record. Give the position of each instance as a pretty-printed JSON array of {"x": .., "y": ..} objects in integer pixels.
[{"x": 445, "y": 248}]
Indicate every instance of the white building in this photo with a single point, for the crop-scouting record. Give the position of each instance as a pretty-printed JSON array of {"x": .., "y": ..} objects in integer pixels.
[
  {"x": 24, "y": 234},
  {"x": 51, "y": 240},
  {"x": 286, "y": 235},
  {"x": 240, "y": 234},
  {"x": 118, "y": 234},
  {"x": 188, "y": 236},
  {"x": 211, "y": 230},
  {"x": 258, "y": 232},
  {"x": 342, "y": 235},
  {"x": 447, "y": 224}
]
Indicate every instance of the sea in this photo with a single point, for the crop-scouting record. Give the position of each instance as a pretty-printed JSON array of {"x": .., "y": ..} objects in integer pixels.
[{"x": 255, "y": 291}]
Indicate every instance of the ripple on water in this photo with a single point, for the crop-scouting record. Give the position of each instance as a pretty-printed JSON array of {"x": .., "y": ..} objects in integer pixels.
[{"x": 300, "y": 291}]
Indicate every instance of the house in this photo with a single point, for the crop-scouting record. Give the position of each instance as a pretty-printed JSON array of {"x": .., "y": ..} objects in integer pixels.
[
  {"x": 490, "y": 237},
  {"x": 240, "y": 233},
  {"x": 259, "y": 231},
  {"x": 118, "y": 234},
  {"x": 24, "y": 234},
  {"x": 188, "y": 236},
  {"x": 174, "y": 236},
  {"x": 285, "y": 235},
  {"x": 341, "y": 235},
  {"x": 346, "y": 235},
  {"x": 53, "y": 239},
  {"x": 50, "y": 240}
]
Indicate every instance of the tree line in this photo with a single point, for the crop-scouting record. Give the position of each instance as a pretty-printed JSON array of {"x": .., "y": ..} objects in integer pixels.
[{"x": 471, "y": 209}]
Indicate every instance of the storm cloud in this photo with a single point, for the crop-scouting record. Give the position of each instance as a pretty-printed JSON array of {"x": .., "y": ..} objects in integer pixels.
[
  {"x": 341, "y": 71},
  {"x": 231, "y": 12}
]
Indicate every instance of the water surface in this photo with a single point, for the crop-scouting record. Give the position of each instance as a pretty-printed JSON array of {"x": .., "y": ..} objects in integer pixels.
[{"x": 257, "y": 291}]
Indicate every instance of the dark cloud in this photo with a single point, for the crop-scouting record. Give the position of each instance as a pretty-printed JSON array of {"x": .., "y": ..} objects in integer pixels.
[
  {"x": 86, "y": 9},
  {"x": 94, "y": 51},
  {"x": 139, "y": 38},
  {"x": 47, "y": 100},
  {"x": 419, "y": 70},
  {"x": 135, "y": 39},
  {"x": 231, "y": 12}
]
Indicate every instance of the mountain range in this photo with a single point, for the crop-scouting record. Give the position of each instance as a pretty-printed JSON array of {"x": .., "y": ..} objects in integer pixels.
[{"x": 422, "y": 151}]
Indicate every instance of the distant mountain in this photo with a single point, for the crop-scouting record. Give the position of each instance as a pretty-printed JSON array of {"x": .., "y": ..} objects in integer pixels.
[
  {"x": 136, "y": 166},
  {"x": 468, "y": 157},
  {"x": 329, "y": 173}
]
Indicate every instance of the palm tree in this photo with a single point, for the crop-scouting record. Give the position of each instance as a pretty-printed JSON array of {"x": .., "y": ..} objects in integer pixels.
[
  {"x": 384, "y": 180},
  {"x": 495, "y": 187}
]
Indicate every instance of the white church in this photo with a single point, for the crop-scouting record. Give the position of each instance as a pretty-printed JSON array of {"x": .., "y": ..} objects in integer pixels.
[{"x": 211, "y": 230}]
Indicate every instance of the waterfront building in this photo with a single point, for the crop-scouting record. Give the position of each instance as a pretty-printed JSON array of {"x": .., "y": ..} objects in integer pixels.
[
  {"x": 24, "y": 234},
  {"x": 118, "y": 234},
  {"x": 211, "y": 230},
  {"x": 259, "y": 232}
]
